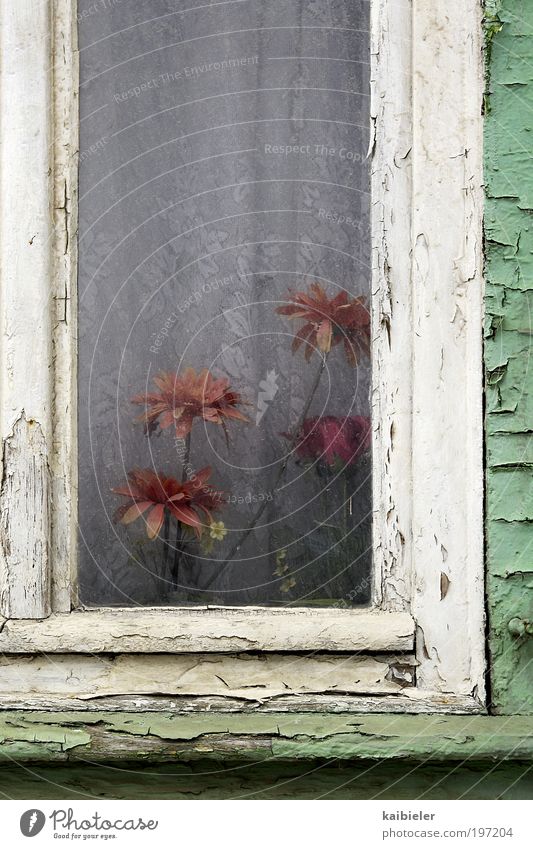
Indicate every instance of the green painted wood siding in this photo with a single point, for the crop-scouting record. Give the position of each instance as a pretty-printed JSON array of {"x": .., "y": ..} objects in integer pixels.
[
  {"x": 509, "y": 321},
  {"x": 274, "y": 780}
]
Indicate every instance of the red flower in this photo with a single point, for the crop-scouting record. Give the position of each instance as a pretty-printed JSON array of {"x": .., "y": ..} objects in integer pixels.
[
  {"x": 331, "y": 438},
  {"x": 188, "y": 502},
  {"x": 329, "y": 321},
  {"x": 197, "y": 495},
  {"x": 184, "y": 397}
]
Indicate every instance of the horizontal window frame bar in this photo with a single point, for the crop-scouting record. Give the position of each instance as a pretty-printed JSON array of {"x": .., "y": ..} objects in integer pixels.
[{"x": 209, "y": 629}]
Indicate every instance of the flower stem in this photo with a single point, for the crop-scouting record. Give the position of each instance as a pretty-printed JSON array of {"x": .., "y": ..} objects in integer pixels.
[
  {"x": 179, "y": 538},
  {"x": 166, "y": 540},
  {"x": 345, "y": 504},
  {"x": 281, "y": 471}
]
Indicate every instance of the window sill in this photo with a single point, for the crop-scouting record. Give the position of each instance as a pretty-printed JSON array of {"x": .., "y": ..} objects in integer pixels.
[{"x": 98, "y": 736}]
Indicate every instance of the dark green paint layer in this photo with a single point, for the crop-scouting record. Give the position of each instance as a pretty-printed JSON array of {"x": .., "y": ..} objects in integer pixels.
[
  {"x": 508, "y": 336},
  {"x": 283, "y": 780}
]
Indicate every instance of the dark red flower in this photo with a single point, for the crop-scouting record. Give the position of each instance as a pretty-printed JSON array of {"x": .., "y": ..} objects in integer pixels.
[
  {"x": 329, "y": 321},
  {"x": 329, "y": 439},
  {"x": 184, "y": 397},
  {"x": 191, "y": 502}
]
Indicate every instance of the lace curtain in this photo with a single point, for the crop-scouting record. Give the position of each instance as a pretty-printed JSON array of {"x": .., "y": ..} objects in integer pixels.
[{"x": 224, "y": 283}]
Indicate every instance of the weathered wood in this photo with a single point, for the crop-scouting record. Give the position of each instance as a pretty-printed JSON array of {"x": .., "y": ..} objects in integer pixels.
[
  {"x": 64, "y": 291},
  {"x": 37, "y": 267},
  {"x": 428, "y": 389},
  {"x": 24, "y": 522},
  {"x": 27, "y": 736},
  {"x": 210, "y": 629},
  {"x": 391, "y": 110},
  {"x": 432, "y": 251},
  {"x": 25, "y": 307},
  {"x": 410, "y": 700},
  {"x": 249, "y": 677},
  {"x": 447, "y": 287}
]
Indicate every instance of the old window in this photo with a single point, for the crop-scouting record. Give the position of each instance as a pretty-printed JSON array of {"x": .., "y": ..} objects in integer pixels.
[{"x": 279, "y": 263}]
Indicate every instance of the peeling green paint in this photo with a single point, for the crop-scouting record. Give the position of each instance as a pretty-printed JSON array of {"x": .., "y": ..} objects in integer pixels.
[
  {"x": 28, "y": 736},
  {"x": 492, "y": 23},
  {"x": 510, "y": 450},
  {"x": 508, "y": 337}
]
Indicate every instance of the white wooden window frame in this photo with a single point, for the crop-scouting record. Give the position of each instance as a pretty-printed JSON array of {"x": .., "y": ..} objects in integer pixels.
[{"x": 428, "y": 594}]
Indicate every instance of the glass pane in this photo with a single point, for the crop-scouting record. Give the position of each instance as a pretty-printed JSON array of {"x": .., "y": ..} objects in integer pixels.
[{"x": 224, "y": 289}]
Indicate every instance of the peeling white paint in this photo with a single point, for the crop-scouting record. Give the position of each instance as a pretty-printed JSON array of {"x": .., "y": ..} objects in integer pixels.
[
  {"x": 25, "y": 307},
  {"x": 246, "y": 677},
  {"x": 427, "y": 197},
  {"x": 221, "y": 629},
  {"x": 25, "y": 522},
  {"x": 391, "y": 319},
  {"x": 65, "y": 173},
  {"x": 447, "y": 282},
  {"x": 427, "y": 396}
]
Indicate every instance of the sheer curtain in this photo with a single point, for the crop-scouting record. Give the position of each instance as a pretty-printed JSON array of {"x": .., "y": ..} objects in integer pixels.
[{"x": 224, "y": 208}]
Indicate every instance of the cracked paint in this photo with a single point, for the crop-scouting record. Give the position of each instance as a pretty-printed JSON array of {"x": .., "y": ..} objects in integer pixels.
[
  {"x": 24, "y": 493},
  {"x": 170, "y": 736},
  {"x": 508, "y": 323}
]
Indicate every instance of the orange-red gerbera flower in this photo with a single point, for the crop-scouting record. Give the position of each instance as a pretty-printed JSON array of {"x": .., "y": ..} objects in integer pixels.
[
  {"x": 329, "y": 321},
  {"x": 184, "y": 397},
  {"x": 191, "y": 502}
]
